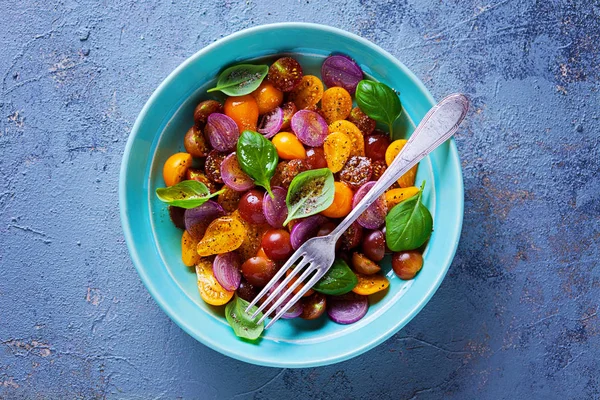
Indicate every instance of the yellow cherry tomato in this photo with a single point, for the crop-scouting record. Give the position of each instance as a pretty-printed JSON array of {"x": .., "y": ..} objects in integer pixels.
[
  {"x": 210, "y": 290},
  {"x": 395, "y": 196},
  {"x": 408, "y": 179},
  {"x": 223, "y": 235},
  {"x": 342, "y": 201},
  {"x": 369, "y": 284},
  {"x": 356, "y": 137},
  {"x": 189, "y": 255},
  {"x": 337, "y": 149},
  {"x": 336, "y": 104},
  {"x": 243, "y": 110},
  {"x": 175, "y": 168},
  {"x": 288, "y": 146},
  {"x": 308, "y": 93}
]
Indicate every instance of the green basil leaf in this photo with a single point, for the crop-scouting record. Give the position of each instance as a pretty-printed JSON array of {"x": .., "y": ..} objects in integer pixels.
[
  {"x": 241, "y": 322},
  {"x": 186, "y": 194},
  {"x": 378, "y": 101},
  {"x": 257, "y": 157},
  {"x": 241, "y": 79},
  {"x": 338, "y": 280},
  {"x": 409, "y": 224},
  {"x": 309, "y": 193}
]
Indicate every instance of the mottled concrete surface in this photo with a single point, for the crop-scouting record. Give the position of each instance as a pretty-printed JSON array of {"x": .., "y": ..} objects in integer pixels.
[{"x": 517, "y": 316}]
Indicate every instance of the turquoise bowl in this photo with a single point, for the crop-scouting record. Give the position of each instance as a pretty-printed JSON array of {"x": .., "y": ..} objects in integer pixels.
[{"x": 154, "y": 243}]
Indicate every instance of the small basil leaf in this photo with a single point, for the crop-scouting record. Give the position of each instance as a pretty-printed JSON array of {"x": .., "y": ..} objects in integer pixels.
[
  {"x": 186, "y": 194},
  {"x": 409, "y": 224},
  {"x": 258, "y": 158},
  {"x": 338, "y": 280},
  {"x": 241, "y": 79},
  {"x": 241, "y": 322},
  {"x": 309, "y": 193},
  {"x": 378, "y": 101}
]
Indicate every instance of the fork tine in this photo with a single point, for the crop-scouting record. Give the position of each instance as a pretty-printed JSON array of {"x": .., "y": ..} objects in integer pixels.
[
  {"x": 296, "y": 297},
  {"x": 275, "y": 278},
  {"x": 279, "y": 288},
  {"x": 287, "y": 293}
]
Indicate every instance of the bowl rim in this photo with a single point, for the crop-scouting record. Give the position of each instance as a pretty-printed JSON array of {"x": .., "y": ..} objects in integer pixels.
[{"x": 128, "y": 233}]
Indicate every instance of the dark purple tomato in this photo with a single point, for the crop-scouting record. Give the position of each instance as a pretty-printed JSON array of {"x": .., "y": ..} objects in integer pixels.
[
  {"x": 356, "y": 172},
  {"x": 285, "y": 74},
  {"x": 212, "y": 167},
  {"x": 258, "y": 271},
  {"x": 373, "y": 245},
  {"x": 176, "y": 214},
  {"x": 376, "y": 145},
  {"x": 204, "y": 109},
  {"x": 362, "y": 121},
  {"x": 195, "y": 143},
  {"x": 315, "y": 158},
  {"x": 251, "y": 207},
  {"x": 246, "y": 290},
  {"x": 379, "y": 168},
  {"x": 352, "y": 237},
  {"x": 314, "y": 306},
  {"x": 276, "y": 244}
]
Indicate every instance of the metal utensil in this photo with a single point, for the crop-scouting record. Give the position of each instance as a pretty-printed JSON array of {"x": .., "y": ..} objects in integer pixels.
[{"x": 314, "y": 258}]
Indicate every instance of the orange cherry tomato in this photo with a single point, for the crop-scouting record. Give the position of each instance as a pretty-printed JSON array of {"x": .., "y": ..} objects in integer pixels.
[
  {"x": 370, "y": 284},
  {"x": 288, "y": 146},
  {"x": 342, "y": 201},
  {"x": 395, "y": 196},
  {"x": 408, "y": 179},
  {"x": 189, "y": 255},
  {"x": 175, "y": 168},
  {"x": 210, "y": 290},
  {"x": 243, "y": 110},
  {"x": 267, "y": 97}
]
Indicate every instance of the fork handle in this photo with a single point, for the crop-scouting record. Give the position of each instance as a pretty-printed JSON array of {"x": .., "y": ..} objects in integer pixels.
[{"x": 438, "y": 125}]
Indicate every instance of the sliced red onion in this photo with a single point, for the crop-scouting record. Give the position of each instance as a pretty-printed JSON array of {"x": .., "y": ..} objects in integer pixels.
[
  {"x": 340, "y": 70},
  {"x": 374, "y": 216},
  {"x": 310, "y": 128},
  {"x": 198, "y": 218},
  {"x": 294, "y": 310},
  {"x": 270, "y": 123},
  {"x": 348, "y": 308},
  {"x": 222, "y": 132},
  {"x": 306, "y": 229},
  {"x": 226, "y": 268},
  {"x": 233, "y": 176},
  {"x": 275, "y": 209}
]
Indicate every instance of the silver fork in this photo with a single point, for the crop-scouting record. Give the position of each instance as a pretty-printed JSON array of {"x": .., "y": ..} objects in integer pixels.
[{"x": 314, "y": 258}]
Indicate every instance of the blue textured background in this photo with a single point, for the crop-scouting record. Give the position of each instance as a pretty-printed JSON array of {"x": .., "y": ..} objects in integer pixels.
[{"x": 516, "y": 317}]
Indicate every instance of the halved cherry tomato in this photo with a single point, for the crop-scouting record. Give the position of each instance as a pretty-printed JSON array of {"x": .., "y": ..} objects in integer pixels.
[
  {"x": 369, "y": 284},
  {"x": 395, "y": 196},
  {"x": 223, "y": 235},
  {"x": 336, "y": 104},
  {"x": 189, "y": 255},
  {"x": 342, "y": 201},
  {"x": 337, "y": 148},
  {"x": 356, "y": 137},
  {"x": 288, "y": 146},
  {"x": 210, "y": 290},
  {"x": 267, "y": 97},
  {"x": 175, "y": 168},
  {"x": 308, "y": 93},
  {"x": 243, "y": 110},
  {"x": 408, "y": 179}
]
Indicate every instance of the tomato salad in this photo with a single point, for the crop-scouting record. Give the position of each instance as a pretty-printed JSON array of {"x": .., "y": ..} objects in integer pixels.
[{"x": 282, "y": 160}]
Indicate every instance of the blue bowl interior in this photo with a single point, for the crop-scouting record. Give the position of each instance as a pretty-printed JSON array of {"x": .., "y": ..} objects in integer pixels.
[{"x": 155, "y": 243}]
